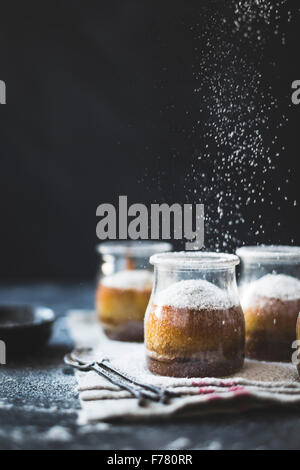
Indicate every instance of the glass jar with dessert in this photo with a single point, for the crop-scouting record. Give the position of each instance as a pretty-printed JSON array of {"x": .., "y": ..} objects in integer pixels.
[
  {"x": 194, "y": 325},
  {"x": 124, "y": 287},
  {"x": 270, "y": 298},
  {"x": 298, "y": 340}
]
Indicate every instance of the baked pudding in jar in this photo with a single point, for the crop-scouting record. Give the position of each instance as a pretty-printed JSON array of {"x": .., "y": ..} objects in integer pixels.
[
  {"x": 124, "y": 288},
  {"x": 121, "y": 302},
  {"x": 271, "y": 307},
  {"x": 194, "y": 327},
  {"x": 298, "y": 339},
  {"x": 270, "y": 298}
]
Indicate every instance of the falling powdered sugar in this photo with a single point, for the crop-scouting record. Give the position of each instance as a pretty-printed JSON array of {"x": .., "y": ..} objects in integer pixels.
[
  {"x": 233, "y": 128},
  {"x": 272, "y": 286},
  {"x": 139, "y": 279},
  {"x": 193, "y": 294}
]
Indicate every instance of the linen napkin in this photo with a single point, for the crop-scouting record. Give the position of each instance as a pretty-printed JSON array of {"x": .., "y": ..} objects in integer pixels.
[{"x": 257, "y": 384}]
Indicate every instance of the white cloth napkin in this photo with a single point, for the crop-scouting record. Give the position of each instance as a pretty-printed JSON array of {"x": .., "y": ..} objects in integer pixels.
[{"x": 258, "y": 384}]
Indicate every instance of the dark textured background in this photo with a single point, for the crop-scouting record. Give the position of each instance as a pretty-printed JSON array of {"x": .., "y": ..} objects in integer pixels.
[{"x": 97, "y": 94}]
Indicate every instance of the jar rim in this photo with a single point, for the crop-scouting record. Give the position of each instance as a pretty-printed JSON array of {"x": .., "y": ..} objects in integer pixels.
[
  {"x": 270, "y": 253},
  {"x": 135, "y": 249},
  {"x": 195, "y": 260}
]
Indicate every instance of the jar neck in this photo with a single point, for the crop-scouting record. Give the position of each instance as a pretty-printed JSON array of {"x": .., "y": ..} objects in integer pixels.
[
  {"x": 225, "y": 279},
  {"x": 113, "y": 263},
  {"x": 251, "y": 270}
]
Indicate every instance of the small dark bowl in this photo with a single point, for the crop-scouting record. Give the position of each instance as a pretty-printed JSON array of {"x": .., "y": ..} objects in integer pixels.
[{"x": 25, "y": 329}]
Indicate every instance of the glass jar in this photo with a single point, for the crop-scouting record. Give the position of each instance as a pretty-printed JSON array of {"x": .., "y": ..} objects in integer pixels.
[
  {"x": 194, "y": 325},
  {"x": 298, "y": 339},
  {"x": 124, "y": 287},
  {"x": 270, "y": 298}
]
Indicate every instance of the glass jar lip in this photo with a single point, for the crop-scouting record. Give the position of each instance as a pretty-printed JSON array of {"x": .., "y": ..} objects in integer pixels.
[
  {"x": 135, "y": 249},
  {"x": 195, "y": 260},
  {"x": 270, "y": 253}
]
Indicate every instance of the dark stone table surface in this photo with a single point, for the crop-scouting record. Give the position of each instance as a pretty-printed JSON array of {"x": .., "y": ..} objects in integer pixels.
[{"x": 39, "y": 403}]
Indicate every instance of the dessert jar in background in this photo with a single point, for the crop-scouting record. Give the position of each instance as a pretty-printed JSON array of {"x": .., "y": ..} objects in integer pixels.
[
  {"x": 270, "y": 298},
  {"x": 194, "y": 325},
  {"x": 124, "y": 287},
  {"x": 298, "y": 338}
]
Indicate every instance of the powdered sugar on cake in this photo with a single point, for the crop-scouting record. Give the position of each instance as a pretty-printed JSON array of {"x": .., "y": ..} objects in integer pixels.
[
  {"x": 139, "y": 279},
  {"x": 271, "y": 286},
  {"x": 193, "y": 294}
]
